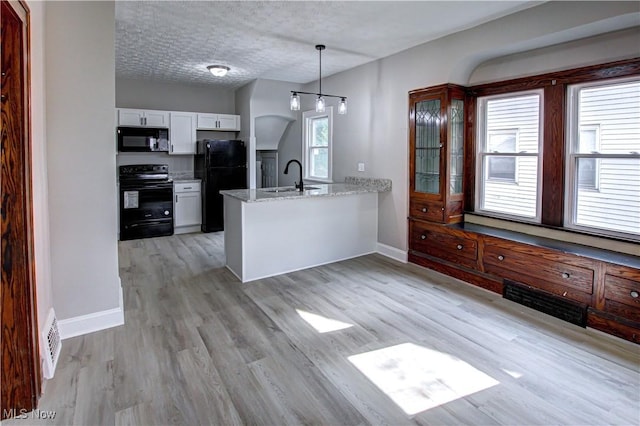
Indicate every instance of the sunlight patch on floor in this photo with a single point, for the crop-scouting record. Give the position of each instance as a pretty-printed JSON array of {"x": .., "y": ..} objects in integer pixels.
[
  {"x": 322, "y": 324},
  {"x": 417, "y": 378}
]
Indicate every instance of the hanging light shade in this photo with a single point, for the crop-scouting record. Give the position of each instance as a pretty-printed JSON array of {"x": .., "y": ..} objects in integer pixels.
[
  {"x": 342, "y": 106},
  {"x": 295, "y": 101},
  {"x": 320, "y": 97}
]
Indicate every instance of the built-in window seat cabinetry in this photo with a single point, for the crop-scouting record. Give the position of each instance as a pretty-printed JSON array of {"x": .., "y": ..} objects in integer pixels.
[
  {"x": 606, "y": 283},
  {"x": 586, "y": 286}
]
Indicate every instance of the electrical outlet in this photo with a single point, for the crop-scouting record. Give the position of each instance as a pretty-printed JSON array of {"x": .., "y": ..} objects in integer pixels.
[{"x": 361, "y": 167}]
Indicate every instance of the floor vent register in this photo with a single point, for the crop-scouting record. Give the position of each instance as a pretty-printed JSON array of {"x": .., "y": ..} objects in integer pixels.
[
  {"x": 52, "y": 345},
  {"x": 573, "y": 312}
]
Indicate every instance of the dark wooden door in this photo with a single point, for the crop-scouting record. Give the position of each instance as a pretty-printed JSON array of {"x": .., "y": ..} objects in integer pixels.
[{"x": 20, "y": 381}]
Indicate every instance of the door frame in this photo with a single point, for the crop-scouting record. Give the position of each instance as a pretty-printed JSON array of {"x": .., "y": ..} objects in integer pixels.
[{"x": 20, "y": 358}]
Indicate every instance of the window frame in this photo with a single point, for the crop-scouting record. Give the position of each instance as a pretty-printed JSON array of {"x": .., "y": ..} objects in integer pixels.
[
  {"x": 572, "y": 157},
  {"x": 554, "y": 85},
  {"x": 596, "y": 170},
  {"x": 481, "y": 155},
  {"x": 488, "y": 155},
  {"x": 307, "y": 122}
]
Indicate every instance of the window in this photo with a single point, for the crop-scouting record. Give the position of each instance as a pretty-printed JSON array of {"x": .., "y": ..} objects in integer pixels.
[
  {"x": 603, "y": 158},
  {"x": 317, "y": 138},
  {"x": 509, "y": 155}
]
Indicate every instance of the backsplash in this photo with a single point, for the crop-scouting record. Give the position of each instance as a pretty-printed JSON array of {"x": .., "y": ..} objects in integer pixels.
[
  {"x": 179, "y": 165},
  {"x": 382, "y": 185}
]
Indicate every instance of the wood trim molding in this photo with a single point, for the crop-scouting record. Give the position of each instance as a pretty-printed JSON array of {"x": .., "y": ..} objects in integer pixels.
[
  {"x": 21, "y": 375},
  {"x": 605, "y": 71},
  {"x": 553, "y": 152}
]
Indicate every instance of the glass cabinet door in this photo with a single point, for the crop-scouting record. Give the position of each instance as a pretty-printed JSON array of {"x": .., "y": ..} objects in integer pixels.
[
  {"x": 427, "y": 146},
  {"x": 456, "y": 149}
]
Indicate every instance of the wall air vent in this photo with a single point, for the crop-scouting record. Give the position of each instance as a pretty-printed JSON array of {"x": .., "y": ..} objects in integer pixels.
[
  {"x": 51, "y": 345},
  {"x": 567, "y": 310}
]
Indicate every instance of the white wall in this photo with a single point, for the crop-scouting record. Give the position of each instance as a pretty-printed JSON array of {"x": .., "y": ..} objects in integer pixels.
[
  {"x": 80, "y": 121},
  {"x": 375, "y": 130},
  {"x": 262, "y": 98},
  {"x": 247, "y": 126},
  {"x": 39, "y": 167}
]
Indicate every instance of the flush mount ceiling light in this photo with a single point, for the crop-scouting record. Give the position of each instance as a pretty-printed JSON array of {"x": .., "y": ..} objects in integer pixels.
[
  {"x": 320, "y": 102},
  {"x": 218, "y": 70}
]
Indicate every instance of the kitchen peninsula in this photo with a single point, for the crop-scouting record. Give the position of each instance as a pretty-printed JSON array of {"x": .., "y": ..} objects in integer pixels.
[{"x": 271, "y": 231}]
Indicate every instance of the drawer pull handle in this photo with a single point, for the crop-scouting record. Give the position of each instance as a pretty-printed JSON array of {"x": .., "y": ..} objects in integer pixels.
[
  {"x": 566, "y": 275},
  {"x": 424, "y": 210},
  {"x": 423, "y": 237},
  {"x": 634, "y": 294},
  {"x": 459, "y": 246},
  {"x": 501, "y": 257}
]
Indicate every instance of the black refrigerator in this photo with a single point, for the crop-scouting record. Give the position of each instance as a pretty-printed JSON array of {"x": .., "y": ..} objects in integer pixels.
[{"x": 220, "y": 164}]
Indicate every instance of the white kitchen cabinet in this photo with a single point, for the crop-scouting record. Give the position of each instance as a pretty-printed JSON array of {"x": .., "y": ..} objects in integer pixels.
[
  {"x": 223, "y": 122},
  {"x": 187, "y": 206},
  {"x": 142, "y": 117},
  {"x": 182, "y": 133}
]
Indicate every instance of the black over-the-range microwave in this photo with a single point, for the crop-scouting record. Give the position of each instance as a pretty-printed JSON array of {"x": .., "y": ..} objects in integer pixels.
[{"x": 143, "y": 139}]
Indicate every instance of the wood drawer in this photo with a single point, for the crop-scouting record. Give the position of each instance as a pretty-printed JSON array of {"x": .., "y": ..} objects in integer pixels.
[
  {"x": 438, "y": 241},
  {"x": 427, "y": 210},
  {"x": 622, "y": 297},
  {"x": 563, "y": 279}
]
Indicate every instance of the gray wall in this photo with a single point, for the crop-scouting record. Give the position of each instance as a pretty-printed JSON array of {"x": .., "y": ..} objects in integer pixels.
[
  {"x": 174, "y": 97},
  {"x": 375, "y": 131},
  {"x": 41, "y": 233},
  {"x": 80, "y": 102}
]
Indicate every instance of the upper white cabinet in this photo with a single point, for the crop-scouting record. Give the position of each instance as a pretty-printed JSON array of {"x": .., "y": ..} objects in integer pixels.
[
  {"x": 182, "y": 133},
  {"x": 226, "y": 122},
  {"x": 142, "y": 117}
]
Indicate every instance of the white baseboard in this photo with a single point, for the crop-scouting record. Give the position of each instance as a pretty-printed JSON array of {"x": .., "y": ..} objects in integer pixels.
[
  {"x": 96, "y": 321},
  {"x": 392, "y": 252}
]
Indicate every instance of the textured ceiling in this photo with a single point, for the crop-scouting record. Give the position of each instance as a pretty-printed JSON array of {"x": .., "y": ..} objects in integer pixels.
[{"x": 174, "y": 41}]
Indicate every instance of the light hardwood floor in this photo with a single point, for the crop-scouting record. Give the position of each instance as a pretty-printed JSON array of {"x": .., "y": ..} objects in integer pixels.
[{"x": 417, "y": 347}]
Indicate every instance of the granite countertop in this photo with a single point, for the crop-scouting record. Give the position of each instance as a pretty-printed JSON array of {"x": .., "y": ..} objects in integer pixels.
[{"x": 311, "y": 190}]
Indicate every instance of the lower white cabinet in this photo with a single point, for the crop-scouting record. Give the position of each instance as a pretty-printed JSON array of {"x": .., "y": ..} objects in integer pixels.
[{"x": 187, "y": 206}]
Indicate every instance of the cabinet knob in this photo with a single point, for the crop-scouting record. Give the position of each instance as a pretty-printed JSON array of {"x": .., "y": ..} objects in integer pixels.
[
  {"x": 424, "y": 210},
  {"x": 423, "y": 237},
  {"x": 500, "y": 257},
  {"x": 459, "y": 246},
  {"x": 634, "y": 294},
  {"x": 566, "y": 275}
]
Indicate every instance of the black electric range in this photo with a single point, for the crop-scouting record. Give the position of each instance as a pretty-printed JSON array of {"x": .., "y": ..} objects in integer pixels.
[{"x": 146, "y": 201}]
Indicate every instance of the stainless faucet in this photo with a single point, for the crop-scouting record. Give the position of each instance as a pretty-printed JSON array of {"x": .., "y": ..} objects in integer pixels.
[{"x": 299, "y": 186}]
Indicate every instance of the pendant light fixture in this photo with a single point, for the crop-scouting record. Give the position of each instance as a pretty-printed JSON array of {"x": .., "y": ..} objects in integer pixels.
[{"x": 320, "y": 97}]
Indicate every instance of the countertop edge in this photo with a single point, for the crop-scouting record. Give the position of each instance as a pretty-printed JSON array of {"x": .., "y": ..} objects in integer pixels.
[{"x": 325, "y": 190}]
